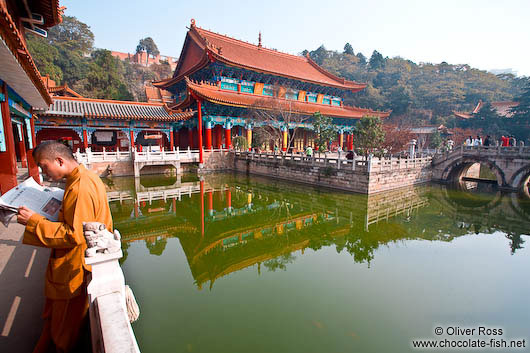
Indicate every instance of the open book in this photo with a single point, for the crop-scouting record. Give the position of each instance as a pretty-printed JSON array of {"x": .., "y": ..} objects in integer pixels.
[{"x": 40, "y": 199}]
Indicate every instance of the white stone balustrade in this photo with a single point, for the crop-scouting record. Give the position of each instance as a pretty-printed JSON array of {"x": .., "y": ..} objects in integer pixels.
[
  {"x": 359, "y": 163},
  {"x": 109, "y": 322}
]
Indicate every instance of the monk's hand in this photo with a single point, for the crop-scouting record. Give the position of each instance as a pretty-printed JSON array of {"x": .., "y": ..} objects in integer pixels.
[{"x": 24, "y": 214}]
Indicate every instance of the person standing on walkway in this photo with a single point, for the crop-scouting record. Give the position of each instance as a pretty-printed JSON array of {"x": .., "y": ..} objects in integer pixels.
[
  {"x": 309, "y": 152},
  {"x": 84, "y": 200}
]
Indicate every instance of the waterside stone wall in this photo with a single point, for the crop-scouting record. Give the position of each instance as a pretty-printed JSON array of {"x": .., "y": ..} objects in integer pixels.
[
  {"x": 217, "y": 161},
  {"x": 364, "y": 179}
]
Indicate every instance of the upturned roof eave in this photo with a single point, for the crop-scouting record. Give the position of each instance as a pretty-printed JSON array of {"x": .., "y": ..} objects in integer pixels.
[{"x": 349, "y": 112}]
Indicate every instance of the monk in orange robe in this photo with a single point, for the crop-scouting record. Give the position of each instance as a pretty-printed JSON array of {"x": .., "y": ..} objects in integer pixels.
[{"x": 85, "y": 200}]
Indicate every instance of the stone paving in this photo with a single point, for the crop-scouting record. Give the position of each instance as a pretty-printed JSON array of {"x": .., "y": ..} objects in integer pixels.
[{"x": 22, "y": 269}]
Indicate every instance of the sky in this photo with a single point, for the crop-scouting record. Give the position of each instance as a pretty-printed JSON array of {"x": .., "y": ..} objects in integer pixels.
[{"x": 486, "y": 34}]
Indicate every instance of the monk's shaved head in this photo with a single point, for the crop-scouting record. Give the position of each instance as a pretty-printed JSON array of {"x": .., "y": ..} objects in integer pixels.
[{"x": 51, "y": 150}]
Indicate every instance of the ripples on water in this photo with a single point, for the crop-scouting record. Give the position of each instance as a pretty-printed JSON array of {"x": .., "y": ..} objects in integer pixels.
[{"x": 239, "y": 264}]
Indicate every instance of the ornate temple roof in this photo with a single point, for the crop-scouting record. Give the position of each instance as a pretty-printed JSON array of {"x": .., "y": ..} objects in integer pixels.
[
  {"x": 202, "y": 47},
  {"x": 110, "y": 109},
  {"x": 213, "y": 93},
  {"x": 18, "y": 68},
  {"x": 157, "y": 95},
  {"x": 502, "y": 108}
]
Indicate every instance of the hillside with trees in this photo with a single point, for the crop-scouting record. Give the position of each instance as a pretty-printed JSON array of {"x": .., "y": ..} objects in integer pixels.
[
  {"x": 422, "y": 93},
  {"x": 68, "y": 56},
  {"x": 417, "y": 93}
]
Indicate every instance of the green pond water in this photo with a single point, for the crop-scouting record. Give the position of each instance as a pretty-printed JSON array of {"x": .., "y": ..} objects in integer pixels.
[{"x": 244, "y": 264}]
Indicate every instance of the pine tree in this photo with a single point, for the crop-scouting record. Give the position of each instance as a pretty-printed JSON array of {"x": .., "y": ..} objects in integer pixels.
[
  {"x": 348, "y": 49},
  {"x": 522, "y": 110}
]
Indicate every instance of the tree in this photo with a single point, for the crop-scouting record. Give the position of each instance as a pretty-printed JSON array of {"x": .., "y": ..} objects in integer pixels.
[
  {"x": 348, "y": 49},
  {"x": 104, "y": 78},
  {"x": 148, "y": 45},
  {"x": 72, "y": 33},
  {"x": 400, "y": 99},
  {"x": 369, "y": 134},
  {"x": 240, "y": 143},
  {"x": 319, "y": 55},
  {"x": 62, "y": 55},
  {"x": 522, "y": 110},
  {"x": 45, "y": 57},
  {"x": 396, "y": 138},
  {"x": 273, "y": 115},
  {"x": 324, "y": 129},
  {"x": 376, "y": 61},
  {"x": 362, "y": 58},
  {"x": 435, "y": 140}
]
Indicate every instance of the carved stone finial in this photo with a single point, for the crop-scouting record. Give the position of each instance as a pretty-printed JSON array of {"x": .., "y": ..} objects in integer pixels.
[
  {"x": 259, "y": 39},
  {"x": 219, "y": 50},
  {"x": 193, "y": 22}
]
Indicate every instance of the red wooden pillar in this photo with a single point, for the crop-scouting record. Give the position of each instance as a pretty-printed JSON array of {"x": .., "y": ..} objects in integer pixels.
[
  {"x": 219, "y": 133},
  {"x": 350, "y": 142},
  {"x": 86, "y": 143},
  {"x": 8, "y": 161},
  {"x": 171, "y": 140},
  {"x": 284, "y": 139},
  {"x": 202, "y": 205},
  {"x": 85, "y": 139},
  {"x": 208, "y": 135},
  {"x": 228, "y": 135},
  {"x": 33, "y": 169},
  {"x": 249, "y": 137},
  {"x": 199, "y": 132},
  {"x": 210, "y": 203}
]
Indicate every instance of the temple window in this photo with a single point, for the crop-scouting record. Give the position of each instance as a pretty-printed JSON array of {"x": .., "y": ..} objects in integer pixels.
[
  {"x": 335, "y": 101},
  {"x": 247, "y": 86},
  {"x": 229, "y": 84},
  {"x": 268, "y": 90},
  {"x": 326, "y": 100},
  {"x": 291, "y": 94},
  {"x": 311, "y": 97}
]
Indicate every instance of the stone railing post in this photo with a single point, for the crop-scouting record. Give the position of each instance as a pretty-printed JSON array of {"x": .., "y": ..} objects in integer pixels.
[{"x": 109, "y": 322}]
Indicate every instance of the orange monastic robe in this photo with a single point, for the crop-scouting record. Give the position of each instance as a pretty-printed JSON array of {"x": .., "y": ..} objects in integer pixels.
[{"x": 85, "y": 200}]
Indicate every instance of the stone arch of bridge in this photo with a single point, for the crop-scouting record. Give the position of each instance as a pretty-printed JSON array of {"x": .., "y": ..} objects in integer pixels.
[
  {"x": 520, "y": 204},
  {"x": 472, "y": 202},
  {"x": 521, "y": 180},
  {"x": 458, "y": 168}
]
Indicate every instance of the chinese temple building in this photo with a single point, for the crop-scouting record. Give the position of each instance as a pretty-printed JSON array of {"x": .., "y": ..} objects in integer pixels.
[
  {"x": 98, "y": 123},
  {"x": 21, "y": 86},
  {"x": 223, "y": 79},
  {"x": 501, "y": 108}
]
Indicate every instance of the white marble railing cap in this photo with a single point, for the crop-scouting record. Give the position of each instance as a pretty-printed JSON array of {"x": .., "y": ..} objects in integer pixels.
[{"x": 101, "y": 257}]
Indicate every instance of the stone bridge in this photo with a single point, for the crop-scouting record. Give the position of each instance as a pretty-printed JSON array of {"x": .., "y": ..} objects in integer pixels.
[{"x": 511, "y": 165}]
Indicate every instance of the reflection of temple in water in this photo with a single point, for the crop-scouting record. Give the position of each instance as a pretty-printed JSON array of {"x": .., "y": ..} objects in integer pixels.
[{"x": 228, "y": 223}]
